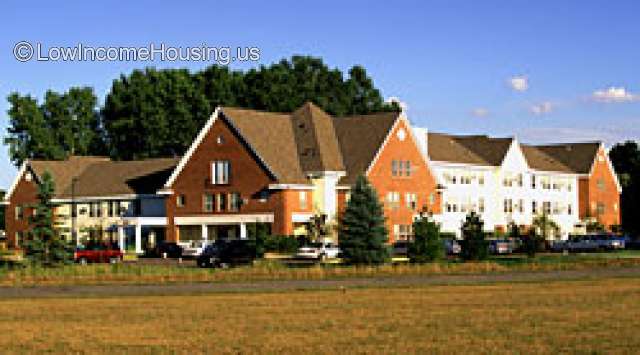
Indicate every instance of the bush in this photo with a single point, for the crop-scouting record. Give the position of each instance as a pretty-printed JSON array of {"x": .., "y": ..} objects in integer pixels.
[
  {"x": 474, "y": 245},
  {"x": 427, "y": 245},
  {"x": 280, "y": 244}
]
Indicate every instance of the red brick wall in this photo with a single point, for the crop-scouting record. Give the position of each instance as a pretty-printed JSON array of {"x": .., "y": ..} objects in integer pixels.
[
  {"x": 247, "y": 177},
  {"x": 421, "y": 181},
  {"x": 591, "y": 193},
  {"x": 24, "y": 194}
]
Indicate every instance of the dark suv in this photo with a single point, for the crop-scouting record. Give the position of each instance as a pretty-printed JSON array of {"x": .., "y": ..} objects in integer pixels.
[{"x": 226, "y": 253}]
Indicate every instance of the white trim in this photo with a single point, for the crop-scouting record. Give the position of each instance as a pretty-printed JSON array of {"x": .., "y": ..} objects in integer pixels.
[
  {"x": 192, "y": 148},
  {"x": 301, "y": 217},
  {"x": 343, "y": 187},
  {"x": 290, "y": 187},
  {"x": 146, "y": 221},
  {"x": 384, "y": 143},
  {"x": 200, "y": 137},
  {"x": 224, "y": 219},
  {"x": 165, "y": 192},
  {"x": 16, "y": 181},
  {"x": 81, "y": 199},
  {"x": 610, "y": 165}
]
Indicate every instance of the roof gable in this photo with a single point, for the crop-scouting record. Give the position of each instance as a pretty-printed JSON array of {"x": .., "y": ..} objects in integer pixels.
[{"x": 475, "y": 150}]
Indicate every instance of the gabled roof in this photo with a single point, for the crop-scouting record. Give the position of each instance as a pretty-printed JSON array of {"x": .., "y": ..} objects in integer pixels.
[
  {"x": 539, "y": 160},
  {"x": 293, "y": 145},
  {"x": 359, "y": 138},
  {"x": 578, "y": 157},
  {"x": 475, "y": 150},
  {"x": 100, "y": 176}
]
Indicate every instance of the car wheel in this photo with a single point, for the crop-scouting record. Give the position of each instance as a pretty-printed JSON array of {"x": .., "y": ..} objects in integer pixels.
[
  {"x": 82, "y": 261},
  {"x": 113, "y": 260}
]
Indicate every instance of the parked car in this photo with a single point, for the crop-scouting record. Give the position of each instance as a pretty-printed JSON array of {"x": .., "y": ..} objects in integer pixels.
[
  {"x": 226, "y": 253},
  {"x": 193, "y": 249},
  {"x": 501, "y": 246},
  {"x": 576, "y": 244},
  {"x": 608, "y": 241},
  {"x": 97, "y": 254},
  {"x": 170, "y": 249},
  {"x": 400, "y": 248},
  {"x": 451, "y": 246},
  {"x": 318, "y": 251}
]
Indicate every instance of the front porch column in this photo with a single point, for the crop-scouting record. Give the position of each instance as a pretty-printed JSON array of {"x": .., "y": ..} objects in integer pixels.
[
  {"x": 138, "y": 239},
  {"x": 121, "y": 239},
  {"x": 205, "y": 232},
  {"x": 243, "y": 231}
]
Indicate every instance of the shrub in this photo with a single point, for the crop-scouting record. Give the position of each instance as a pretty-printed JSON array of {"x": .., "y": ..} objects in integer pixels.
[
  {"x": 474, "y": 245},
  {"x": 280, "y": 244},
  {"x": 427, "y": 245}
]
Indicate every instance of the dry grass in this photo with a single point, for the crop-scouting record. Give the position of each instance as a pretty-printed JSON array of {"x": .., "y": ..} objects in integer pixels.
[
  {"x": 594, "y": 316},
  {"x": 157, "y": 274}
]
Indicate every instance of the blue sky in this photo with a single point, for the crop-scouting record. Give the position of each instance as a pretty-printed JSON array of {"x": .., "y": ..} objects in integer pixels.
[{"x": 544, "y": 71}]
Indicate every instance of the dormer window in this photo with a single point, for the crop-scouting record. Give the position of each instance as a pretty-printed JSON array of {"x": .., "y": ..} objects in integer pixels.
[{"x": 220, "y": 171}]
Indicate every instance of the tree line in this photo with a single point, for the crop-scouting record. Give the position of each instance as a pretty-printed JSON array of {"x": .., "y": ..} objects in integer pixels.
[{"x": 157, "y": 113}]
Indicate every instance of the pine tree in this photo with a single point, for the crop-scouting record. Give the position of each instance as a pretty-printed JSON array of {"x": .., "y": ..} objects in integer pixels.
[
  {"x": 427, "y": 245},
  {"x": 44, "y": 245},
  {"x": 474, "y": 245},
  {"x": 363, "y": 234}
]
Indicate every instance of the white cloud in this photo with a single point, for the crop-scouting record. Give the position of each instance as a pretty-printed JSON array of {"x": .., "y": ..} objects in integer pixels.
[
  {"x": 614, "y": 94},
  {"x": 480, "y": 112},
  {"x": 519, "y": 83},
  {"x": 542, "y": 108}
]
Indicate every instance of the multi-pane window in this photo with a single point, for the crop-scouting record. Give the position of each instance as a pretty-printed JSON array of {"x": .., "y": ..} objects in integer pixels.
[
  {"x": 546, "y": 207},
  {"x": 402, "y": 231},
  {"x": 407, "y": 168},
  {"x": 411, "y": 200},
  {"x": 508, "y": 205},
  {"x": 534, "y": 207},
  {"x": 235, "y": 201},
  {"x": 600, "y": 208},
  {"x": 393, "y": 199},
  {"x": 394, "y": 168},
  {"x": 220, "y": 171},
  {"x": 208, "y": 202},
  {"x": 19, "y": 212},
  {"x": 521, "y": 206},
  {"x": 569, "y": 209},
  {"x": 302, "y": 197},
  {"x": 401, "y": 167},
  {"x": 533, "y": 181},
  {"x": 481, "y": 205}
]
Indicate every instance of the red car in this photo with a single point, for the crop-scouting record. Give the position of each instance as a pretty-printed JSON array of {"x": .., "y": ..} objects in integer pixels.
[{"x": 97, "y": 254}]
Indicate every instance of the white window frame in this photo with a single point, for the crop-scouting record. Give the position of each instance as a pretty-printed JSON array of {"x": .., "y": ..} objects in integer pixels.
[{"x": 220, "y": 172}]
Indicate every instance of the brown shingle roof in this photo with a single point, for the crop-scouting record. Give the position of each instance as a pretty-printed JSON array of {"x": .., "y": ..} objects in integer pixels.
[
  {"x": 540, "y": 160},
  {"x": 359, "y": 138},
  {"x": 578, "y": 157},
  {"x": 99, "y": 176},
  {"x": 476, "y": 150},
  {"x": 309, "y": 140}
]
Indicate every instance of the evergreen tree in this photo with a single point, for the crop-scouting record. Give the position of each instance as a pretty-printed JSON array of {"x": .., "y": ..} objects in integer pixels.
[
  {"x": 44, "y": 245},
  {"x": 427, "y": 245},
  {"x": 474, "y": 245},
  {"x": 363, "y": 234}
]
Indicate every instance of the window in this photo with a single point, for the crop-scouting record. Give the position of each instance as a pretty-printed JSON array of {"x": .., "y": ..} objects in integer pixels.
[
  {"x": 221, "y": 202},
  {"x": 411, "y": 200},
  {"x": 263, "y": 195},
  {"x": 481, "y": 205},
  {"x": 508, "y": 205},
  {"x": 520, "y": 180},
  {"x": 432, "y": 198},
  {"x": 181, "y": 200},
  {"x": 111, "y": 208},
  {"x": 569, "y": 209},
  {"x": 393, "y": 199},
  {"x": 394, "y": 168},
  {"x": 235, "y": 201},
  {"x": 546, "y": 207},
  {"x": 481, "y": 179},
  {"x": 402, "y": 231},
  {"x": 220, "y": 171},
  {"x": 600, "y": 209},
  {"x": 302, "y": 195},
  {"x": 533, "y": 181},
  {"x": 407, "y": 168},
  {"x": 220, "y": 140},
  {"x": 208, "y": 202},
  {"x": 534, "y": 207},
  {"x": 521, "y": 206},
  {"x": 19, "y": 212},
  {"x": 600, "y": 184}
]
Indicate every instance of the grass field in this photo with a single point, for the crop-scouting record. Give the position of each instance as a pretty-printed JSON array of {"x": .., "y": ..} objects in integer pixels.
[
  {"x": 140, "y": 273},
  {"x": 582, "y": 316}
]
